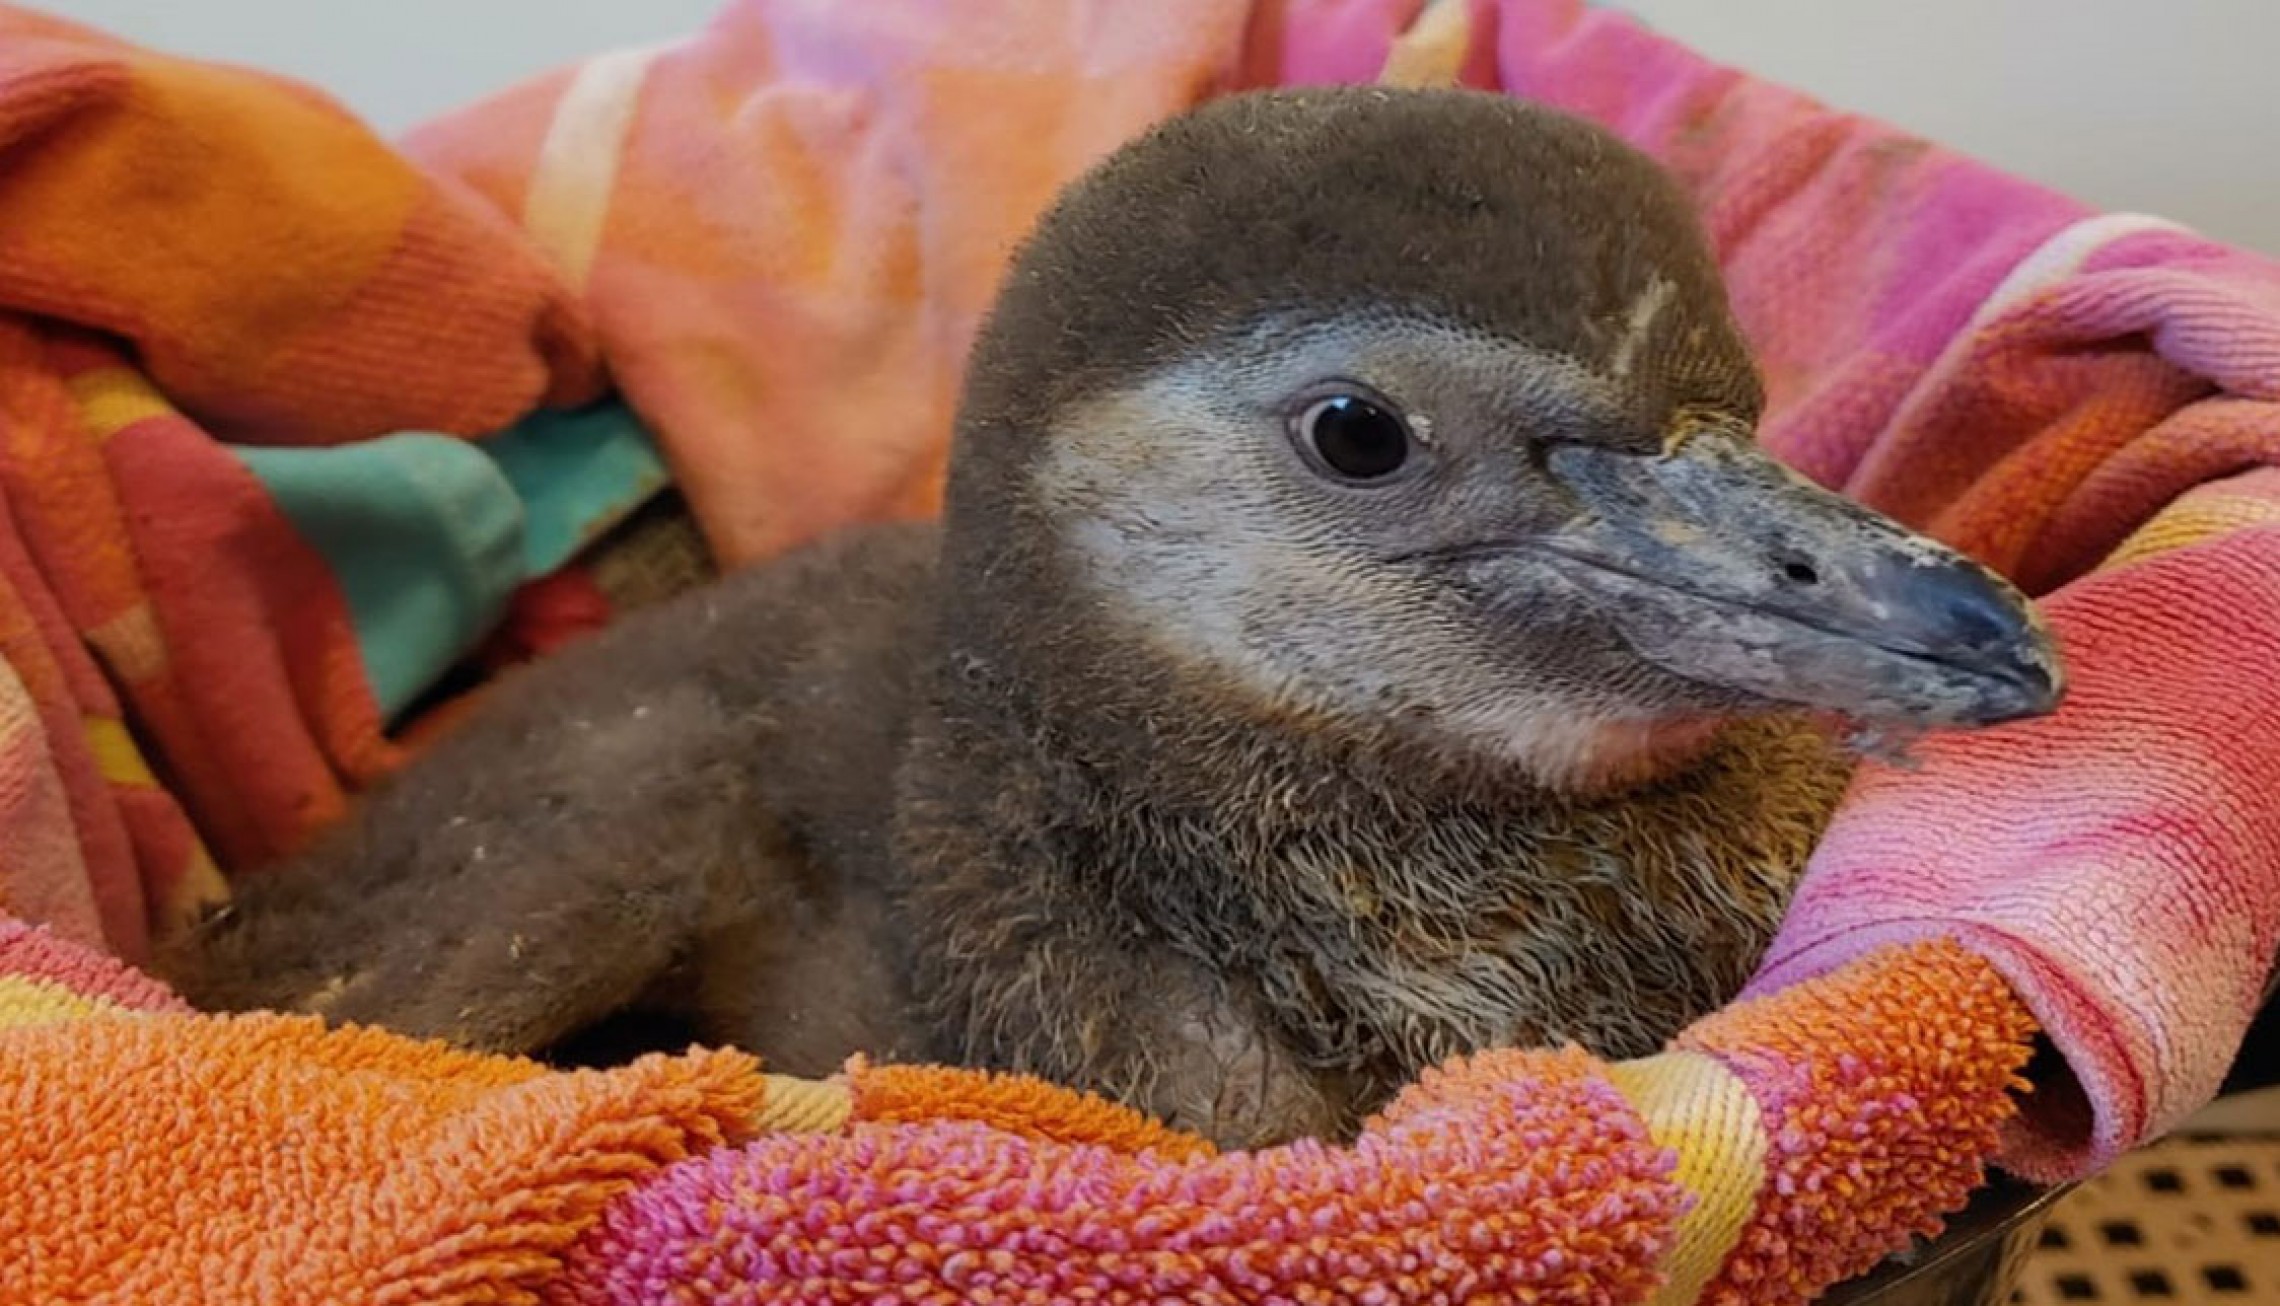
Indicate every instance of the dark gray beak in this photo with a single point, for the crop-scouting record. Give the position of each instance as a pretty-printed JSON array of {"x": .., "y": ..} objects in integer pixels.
[{"x": 1719, "y": 564}]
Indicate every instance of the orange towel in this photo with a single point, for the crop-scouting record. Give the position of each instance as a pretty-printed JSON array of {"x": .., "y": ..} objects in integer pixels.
[
  {"x": 280, "y": 271},
  {"x": 151, "y": 1155}
]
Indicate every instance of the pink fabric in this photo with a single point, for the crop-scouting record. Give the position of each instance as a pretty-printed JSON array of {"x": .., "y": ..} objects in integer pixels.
[
  {"x": 44, "y": 868},
  {"x": 813, "y": 202},
  {"x": 1513, "y": 1176},
  {"x": 2121, "y": 861},
  {"x": 36, "y": 952}
]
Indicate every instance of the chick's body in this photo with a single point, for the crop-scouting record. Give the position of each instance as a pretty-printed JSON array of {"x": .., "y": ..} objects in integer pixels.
[
  {"x": 1360, "y": 632},
  {"x": 1289, "y": 926}
]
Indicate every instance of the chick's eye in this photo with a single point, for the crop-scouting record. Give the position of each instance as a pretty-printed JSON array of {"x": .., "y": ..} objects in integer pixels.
[{"x": 1356, "y": 438}]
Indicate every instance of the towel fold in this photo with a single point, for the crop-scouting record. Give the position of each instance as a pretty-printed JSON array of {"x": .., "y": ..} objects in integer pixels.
[
  {"x": 144, "y": 193},
  {"x": 155, "y": 1155},
  {"x": 2117, "y": 862},
  {"x": 1789, "y": 1144}
]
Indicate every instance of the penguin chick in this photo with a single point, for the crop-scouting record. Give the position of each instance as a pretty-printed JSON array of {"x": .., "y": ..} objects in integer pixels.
[{"x": 1361, "y": 630}]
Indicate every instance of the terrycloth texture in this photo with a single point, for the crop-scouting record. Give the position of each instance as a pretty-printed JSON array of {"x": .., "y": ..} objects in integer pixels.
[
  {"x": 290, "y": 1163},
  {"x": 1881, "y": 1088},
  {"x": 788, "y": 225},
  {"x": 893, "y": 1095},
  {"x": 73, "y": 978},
  {"x": 1511, "y": 1173},
  {"x": 192, "y": 255},
  {"x": 2030, "y": 382},
  {"x": 147, "y": 1154}
]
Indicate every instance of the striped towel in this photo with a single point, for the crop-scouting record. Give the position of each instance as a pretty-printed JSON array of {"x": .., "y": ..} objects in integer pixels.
[
  {"x": 145, "y": 1149},
  {"x": 270, "y": 459},
  {"x": 1783, "y": 1146}
]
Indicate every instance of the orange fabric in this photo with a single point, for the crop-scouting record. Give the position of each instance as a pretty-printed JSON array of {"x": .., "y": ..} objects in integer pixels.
[
  {"x": 140, "y": 189},
  {"x": 1013, "y": 1104},
  {"x": 265, "y": 1159}
]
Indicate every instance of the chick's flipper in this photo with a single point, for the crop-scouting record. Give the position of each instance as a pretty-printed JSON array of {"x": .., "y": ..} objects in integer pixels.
[
  {"x": 518, "y": 884},
  {"x": 698, "y": 786}
]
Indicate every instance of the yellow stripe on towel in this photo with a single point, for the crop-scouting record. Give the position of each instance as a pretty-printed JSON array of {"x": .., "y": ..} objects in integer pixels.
[
  {"x": 804, "y": 1106},
  {"x": 111, "y": 399},
  {"x": 1432, "y": 51},
  {"x": 27, "y": 1001},
  {"x": 2191, "y": 520},
  {"x": 117, "y": 757},
  {"x": 1696, "y": 1107},
  {"x": 572, "y": 183}
]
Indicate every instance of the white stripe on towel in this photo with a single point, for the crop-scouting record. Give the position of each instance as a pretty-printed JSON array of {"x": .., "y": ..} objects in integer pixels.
[
  {"x": 2062, "y": 256},
  {"x": 576, "y": 171},
  {"x": 2057, "y": 258}
]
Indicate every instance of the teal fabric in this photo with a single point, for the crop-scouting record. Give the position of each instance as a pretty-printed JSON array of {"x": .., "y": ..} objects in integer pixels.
[
  {"x": 577, "y": 474},
  {"x": 429, "y": 536},
  {"x": 423, "y": 535}
]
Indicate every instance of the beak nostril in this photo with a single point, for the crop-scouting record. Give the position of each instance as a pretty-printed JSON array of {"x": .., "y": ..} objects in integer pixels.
[{"x": 1801, "y": 572}]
